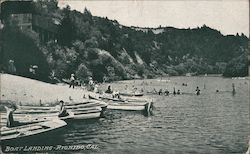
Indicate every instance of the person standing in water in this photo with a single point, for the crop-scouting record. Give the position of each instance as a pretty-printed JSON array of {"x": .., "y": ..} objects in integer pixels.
[
  {"x": 178, "y": 92},
  {"x": 234, "y": 91},
  {"x": 174, "y": 91},
  {"x": 166, "y": 92},
  {"x": 160, "y": 92},
  {"x": 198, "y": 91}
]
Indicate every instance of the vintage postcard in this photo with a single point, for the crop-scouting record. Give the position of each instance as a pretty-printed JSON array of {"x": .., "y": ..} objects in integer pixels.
[{"x": 127, "y": 76}]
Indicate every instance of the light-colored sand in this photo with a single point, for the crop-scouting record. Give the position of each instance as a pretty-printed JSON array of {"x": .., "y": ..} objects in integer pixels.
[{"x": 28, "y": 91}]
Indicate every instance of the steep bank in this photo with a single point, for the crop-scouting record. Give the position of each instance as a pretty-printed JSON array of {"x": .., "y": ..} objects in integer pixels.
[{"x": 106, "y": 50}]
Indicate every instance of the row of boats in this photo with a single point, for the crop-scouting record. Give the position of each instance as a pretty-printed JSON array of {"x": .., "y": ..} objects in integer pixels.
[{"x": 35, "y": 120}]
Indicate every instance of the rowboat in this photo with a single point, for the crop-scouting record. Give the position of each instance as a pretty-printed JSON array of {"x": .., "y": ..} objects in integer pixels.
[
  {"x": 34, "y": 114},
  {"x": 29, "y": 118},
  {"x": 25, "y": 131},
  {"x": 76, "y": 106},
  {"x": 109, "y": 97},
  {"x": 131, "y": 93},
  {"x": 86, "y": 104},
  {"x": 35, "y": 118},
  {"x": 146, "y": 107},
  {"x": 89, "y": 114},
  {"x": 55, "y": 109},
  {"x": 126, "y": 103}
]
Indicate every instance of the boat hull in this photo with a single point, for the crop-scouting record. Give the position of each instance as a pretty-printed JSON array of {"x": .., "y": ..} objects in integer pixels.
[
  {"x": 30, "y": 130},
  {"x": 146, "y": 108},
  {"x": 126, "y": 107},
  {"x": 131, "y": 94}
]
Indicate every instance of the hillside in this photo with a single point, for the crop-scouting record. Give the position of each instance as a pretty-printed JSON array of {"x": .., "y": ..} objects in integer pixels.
[{"x": 106, "y": 50}]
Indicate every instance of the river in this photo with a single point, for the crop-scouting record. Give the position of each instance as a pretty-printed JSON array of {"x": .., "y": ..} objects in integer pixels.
[{"x": 216, "y": 123}]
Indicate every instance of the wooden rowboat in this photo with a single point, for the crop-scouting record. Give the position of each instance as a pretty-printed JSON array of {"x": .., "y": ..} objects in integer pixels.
[
  {"x": 131, "y": 94},
  {"x": 25, "y": 131},
  {"x": 134, "y": 104},
  {"x": 109, "y": 97},
  {"x": 78, "y": 113}
]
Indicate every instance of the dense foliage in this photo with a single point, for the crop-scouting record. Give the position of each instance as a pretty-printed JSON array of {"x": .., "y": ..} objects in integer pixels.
[{"x": 104, "y": 49}]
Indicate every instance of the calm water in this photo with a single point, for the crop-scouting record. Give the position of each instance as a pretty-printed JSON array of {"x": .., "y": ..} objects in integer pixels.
[{"x": 216, "y": 123}]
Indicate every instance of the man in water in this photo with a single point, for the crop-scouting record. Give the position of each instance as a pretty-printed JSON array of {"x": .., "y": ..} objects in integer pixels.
[
  {"x": 234, "y": 91},
  {"x": 178, "y": 92},
  {"x": 166, "y": 92},
  {"x": 174, "y": 92},
  {"x": 160, "y": 92},
  {"x": 198, "y": 91},
  {"x": 63, "y": 112}
]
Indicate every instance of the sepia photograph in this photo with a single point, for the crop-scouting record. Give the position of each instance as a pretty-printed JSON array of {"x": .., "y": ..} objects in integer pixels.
[{"x": 125, "y": 76}]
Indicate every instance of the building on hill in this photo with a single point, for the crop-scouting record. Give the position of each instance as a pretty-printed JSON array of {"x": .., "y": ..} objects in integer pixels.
[
  {"x": 46, "y": 27},
  {"x": 23, "y": 14},
  {"x": 19, "y": 11}
]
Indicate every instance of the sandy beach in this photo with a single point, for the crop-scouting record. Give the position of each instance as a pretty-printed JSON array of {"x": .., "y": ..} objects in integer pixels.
[{"x": 33, "y": 92}]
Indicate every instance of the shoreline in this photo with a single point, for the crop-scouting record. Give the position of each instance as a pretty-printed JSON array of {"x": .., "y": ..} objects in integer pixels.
[{"x": 28, "y": 91}]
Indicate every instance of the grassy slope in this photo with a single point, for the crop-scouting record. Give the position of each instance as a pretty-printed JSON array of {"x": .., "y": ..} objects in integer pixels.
[{"x": 28, "y": 91}]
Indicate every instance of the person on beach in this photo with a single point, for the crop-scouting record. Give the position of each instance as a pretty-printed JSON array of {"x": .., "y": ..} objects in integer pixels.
[
  {"x": 96, "y": 88},
  {"x": 198, "y": 91},
  {"x": 62, "y": 112},
  {"x": 91, "y": 84},
  {"x": 126, "y": 87},
  {"x": 72, "y": 81},
  {"x": 11, "y": 67}
]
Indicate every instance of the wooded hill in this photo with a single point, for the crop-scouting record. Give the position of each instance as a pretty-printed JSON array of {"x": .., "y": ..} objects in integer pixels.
[{"x": 104, "y": 49}]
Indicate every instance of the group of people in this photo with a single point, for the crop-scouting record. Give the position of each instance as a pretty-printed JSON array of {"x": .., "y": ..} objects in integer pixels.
[
  {"x": 178, "y": 92},
  {"x": 167, "y": 92},
  {"x": 73, "y": 82}
]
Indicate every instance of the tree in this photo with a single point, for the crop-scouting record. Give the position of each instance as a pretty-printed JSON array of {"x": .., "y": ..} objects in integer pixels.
[
  {"x": 82, "y": 72},
  {"x": 66, "y": 29}
]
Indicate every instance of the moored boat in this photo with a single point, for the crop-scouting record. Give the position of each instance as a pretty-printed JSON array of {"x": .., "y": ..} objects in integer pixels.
[
  {"x": 131, "y": 93},
  {"x": 146, "y": 107},
  {"x": 109, "y": 97},
  {"x": 30, "y": 130},
  {"x": 34, "y": 114},
  {"x": 126, "y": 103},
  {"x": 89, "y": 113}
]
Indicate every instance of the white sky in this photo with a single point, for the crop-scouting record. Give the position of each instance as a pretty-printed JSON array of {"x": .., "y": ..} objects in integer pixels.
[{"x": 228, "y": 16}]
